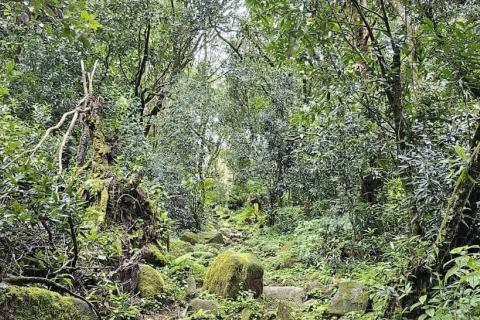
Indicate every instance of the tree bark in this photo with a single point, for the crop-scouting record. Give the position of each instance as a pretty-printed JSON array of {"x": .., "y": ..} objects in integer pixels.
[{"x": 448, "y": 234}]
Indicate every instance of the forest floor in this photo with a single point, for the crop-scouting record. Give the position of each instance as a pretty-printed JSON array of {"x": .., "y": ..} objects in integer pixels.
[{"x": 297, "y": 284}]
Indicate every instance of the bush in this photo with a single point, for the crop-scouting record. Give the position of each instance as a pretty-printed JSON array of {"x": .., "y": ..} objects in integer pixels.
[{"x": 287, "y": 218}]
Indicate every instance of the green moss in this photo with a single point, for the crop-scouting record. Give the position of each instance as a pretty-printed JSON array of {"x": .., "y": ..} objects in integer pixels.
[
  {"x": 231, "y": 272},
  {"x": 156, "y": 257},
  {"x": 187, "y": 263},
  {"x": 33, "y": 303},
  {"x": 151, "y": 282},
  {"x": 190, "y": 237},
  {"x": 350, "y": 296},
  {"x": 103, "y": 206},
  {"x": 179, "y": 248}
]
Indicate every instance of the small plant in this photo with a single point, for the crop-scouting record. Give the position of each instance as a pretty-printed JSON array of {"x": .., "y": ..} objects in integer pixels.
[{"x": 457, "y": 294}]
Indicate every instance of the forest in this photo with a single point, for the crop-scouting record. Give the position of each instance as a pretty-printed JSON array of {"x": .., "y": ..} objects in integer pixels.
[{"x": 239, "y": 159}]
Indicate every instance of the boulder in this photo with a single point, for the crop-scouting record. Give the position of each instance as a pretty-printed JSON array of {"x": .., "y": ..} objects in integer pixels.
[
  {"x": 155, "y": 256},
  {"x": 34, "y": 303},
  {"x": 203, "y": 304},
  {"x": 294, "y": 295},
  {"x": 231, "y": 272},
  {"x": 150, "y": 282},
  {"x": 203, "y": 237},
  {"x": 350, "y": 296}
]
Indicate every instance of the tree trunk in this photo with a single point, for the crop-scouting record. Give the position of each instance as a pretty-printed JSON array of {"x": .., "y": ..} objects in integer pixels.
[{"x": 448, "y": 234}]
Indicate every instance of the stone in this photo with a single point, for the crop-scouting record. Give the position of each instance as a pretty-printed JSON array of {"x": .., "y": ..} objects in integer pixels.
[
  {"x": 34, "y": 303},
  {"x": 227, "y": 232},
  {"x": 294, "y": 295},
  {"x": 203, "y": 304},
  {"x": 232, "y": 272},
  {"x": 191, "y": 288},
  {"x": 179, "y": 248},
  {"x": 150, "y": 281},
  {"x": 155, "y": 256},
  {"x": 350, "y": 296},
  {"x": 317, "y": 290},
  {"x": 187, "y": 263},
  {"x": 247, "y": 314},
  {"x": 285, "y": 312},
  {"x": 203, "y": 237}
]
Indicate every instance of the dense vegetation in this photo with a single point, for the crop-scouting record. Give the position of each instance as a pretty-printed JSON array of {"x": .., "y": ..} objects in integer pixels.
[{"x": 229, "y": 159}]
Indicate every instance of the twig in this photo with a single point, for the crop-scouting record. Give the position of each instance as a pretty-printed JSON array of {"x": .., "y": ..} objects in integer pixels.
[{"x": 64, "y": 140}]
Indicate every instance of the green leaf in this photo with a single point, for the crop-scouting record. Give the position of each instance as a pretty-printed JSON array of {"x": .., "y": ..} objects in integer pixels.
[
  {"x": 422, "y": 299},
  {"x": 451, "y": 272},
  {"x": 461, "y": 152},
  {"x": 90, "y": 20},
  {"x": 3, "y": 91},
  {"x": 430, "y": 312}
]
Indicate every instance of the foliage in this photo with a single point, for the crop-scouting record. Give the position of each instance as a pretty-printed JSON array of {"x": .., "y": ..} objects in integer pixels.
[{"x": 457, "y": 294}]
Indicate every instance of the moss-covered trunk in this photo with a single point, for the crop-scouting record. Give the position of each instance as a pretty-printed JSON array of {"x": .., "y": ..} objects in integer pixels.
[{"x": 448, "y": 234}]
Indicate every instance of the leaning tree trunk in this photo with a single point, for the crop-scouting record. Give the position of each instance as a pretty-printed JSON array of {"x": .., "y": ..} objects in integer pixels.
[
  {"x": 448, "y": 234},
  {"x": 452, "y": 230}
]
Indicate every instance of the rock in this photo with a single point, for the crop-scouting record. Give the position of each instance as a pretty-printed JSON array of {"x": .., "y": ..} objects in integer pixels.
[
  {"x": 155, "y": 257},
  {"x": 150, "y": 281},
  {"x": 187, "y": 264},
  {"x": 350, "y": 296},
  {"x": 247, "y": 314},
  {"x": 212, "y": 237},
  {"x": 227, "y": 232},
  {"x": 317, "y": 290},
  {"x": 191, "y": 289},
  {"x": 285, "y": 312},
  {"x": 286, "y": 262},
  {"x": 28, "y": 303},
  {"x": 231, "y": 272},
  {"x": 203, "y": 304},
  {"x": 203, "y": 237},
  {"x": 179, "y": 248},
  {"x": 295, "y": 295}
]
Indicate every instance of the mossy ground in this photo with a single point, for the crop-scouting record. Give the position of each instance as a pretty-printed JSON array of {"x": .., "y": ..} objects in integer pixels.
[{"x": 288, "y": 259}]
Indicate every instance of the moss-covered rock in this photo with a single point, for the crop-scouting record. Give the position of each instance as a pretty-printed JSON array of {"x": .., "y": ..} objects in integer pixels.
[
  {"x": 293, "y": 295},
  {"x": 155, "y": 256},
  {"x": 188, "y": 265},
  {"x": 350, "y": 297},
  {"x": 285, "y": 312},
  {"x": 150, "y": 282},
  {"x": 203, "y": 237},
  {"x": 179, "y": 248},
  {"x": 231, "y": 272},
  {"x": 33, "y": 303},
  {"x": 203, "y": 304}
]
